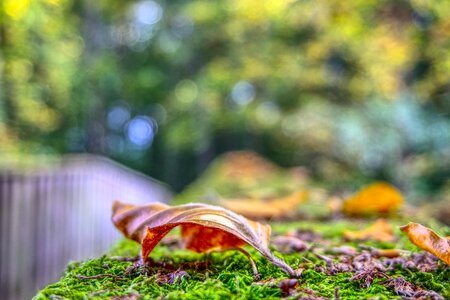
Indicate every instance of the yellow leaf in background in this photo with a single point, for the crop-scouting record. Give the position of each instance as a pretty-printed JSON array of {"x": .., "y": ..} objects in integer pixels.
[
  {"x": 379, "y": 231},
  {"x": 266, "y": 209},
  {"x": 334, "y": 204},
  {"x": 428, "y": 240},
  {"x": 16, "y": 9},
  {"x": 377, "y": 198}
]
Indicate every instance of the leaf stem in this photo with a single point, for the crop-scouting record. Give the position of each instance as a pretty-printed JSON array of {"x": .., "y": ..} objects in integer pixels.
[
  {"x": 256, "y": 275},
  {"x": 281, "y": 264}
]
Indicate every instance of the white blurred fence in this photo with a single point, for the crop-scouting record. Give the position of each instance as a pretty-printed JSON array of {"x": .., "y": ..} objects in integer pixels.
[{"x": 53, "y": 214}]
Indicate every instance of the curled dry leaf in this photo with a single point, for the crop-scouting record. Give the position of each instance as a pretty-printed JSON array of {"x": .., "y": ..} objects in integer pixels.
[
  {"x": 204, "y": 228},
  {"x": 428, "y": 240},
  {"x": 377, "y": 198},
  {"x": 266, "y": 209},
  {"x": 379, "y": 231}
]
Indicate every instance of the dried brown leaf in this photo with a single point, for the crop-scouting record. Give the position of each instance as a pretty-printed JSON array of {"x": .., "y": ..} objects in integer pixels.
[
  {"x": 204, "y": 228},
  {"x": 307, "y": 235},
  {"x": 344, "y": 250},
  {"x": 377, "y": 198},
  {"x": 266, "y": 209},
  {"x": 171, "y": 278},
  {"x": 379, "y": 231},
  {"x": 289, "y": 244},
  {"x": 428, "y": 240},
  {"x": 287, "y": 287}
]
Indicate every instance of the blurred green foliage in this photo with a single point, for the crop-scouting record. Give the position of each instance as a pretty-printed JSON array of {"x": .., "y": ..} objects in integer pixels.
[{"x": 345, "y": 88}]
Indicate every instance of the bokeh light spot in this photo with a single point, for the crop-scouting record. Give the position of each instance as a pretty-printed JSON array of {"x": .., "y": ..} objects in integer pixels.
[
  {"x": 117, "y": 117},
  {"x": 243, "y": 93},
  {"x": 148, "y": 12},
  {"x": 141, "y": 131},
  {"x": 268, "y": 113},
  {"x": 186, "y": 91},
  {"x": 182, "y": 26}
]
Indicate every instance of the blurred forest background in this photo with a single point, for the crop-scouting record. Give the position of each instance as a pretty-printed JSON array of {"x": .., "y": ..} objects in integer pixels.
[{"x": 352, "y": 90}]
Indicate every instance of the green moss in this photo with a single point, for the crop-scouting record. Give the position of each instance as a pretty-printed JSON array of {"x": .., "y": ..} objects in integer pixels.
[
  {"x": 227, "y": 275},
  {"x": 439, "y": 281}
]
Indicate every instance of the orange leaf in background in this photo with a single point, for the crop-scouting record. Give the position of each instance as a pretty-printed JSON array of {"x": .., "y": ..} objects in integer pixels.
[
  {"x": 377, "y": 198},
  {"x": 247, "y": 165},
  {"x": 204, "y": 228},
  {"x": 428, "y": 240},
  {"x": 266, "y": 209},
  {"x": 379, "y": 231},
  {"x": 334, "y": 204},
  {"x": 390, "y": 253}
]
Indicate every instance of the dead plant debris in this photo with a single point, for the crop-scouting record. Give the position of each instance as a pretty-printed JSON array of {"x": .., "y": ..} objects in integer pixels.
[
  {"x": 289, "y": 244},
  {"x": 288, "y": 287},
  {"x": 171, "y": 278},
  {"x": 404, "y": 288}
]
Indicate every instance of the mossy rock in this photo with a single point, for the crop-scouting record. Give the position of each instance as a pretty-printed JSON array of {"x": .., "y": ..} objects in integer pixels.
[
  {"x": 181, "y": 274},
  {"x": 239, "y": 174}
]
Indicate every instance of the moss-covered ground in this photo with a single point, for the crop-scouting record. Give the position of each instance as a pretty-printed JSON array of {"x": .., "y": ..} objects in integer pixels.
[{"x": 181, "y": 274}]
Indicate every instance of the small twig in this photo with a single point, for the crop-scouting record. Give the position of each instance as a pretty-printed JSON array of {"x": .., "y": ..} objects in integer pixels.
[
  {"x": 256, "y": 275},
  {"x": 100, "y": 276},
  {"x": 125, "y": 258},
  {"x": 327, "y": 260},
  {"x": 136, "y": 265},
  {"x": 365, "y": 247},
  {"x": 98, "y": 293},
  {"x": 307, "y": 260},
  {"x": 336, "y": 293}
]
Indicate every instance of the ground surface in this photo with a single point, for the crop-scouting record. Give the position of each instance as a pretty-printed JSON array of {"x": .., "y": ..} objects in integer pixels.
[{"x": 328, "y": 270}]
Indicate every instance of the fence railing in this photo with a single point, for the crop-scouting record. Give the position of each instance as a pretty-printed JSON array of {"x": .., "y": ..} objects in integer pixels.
[{"x": 51, "y": 215}]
